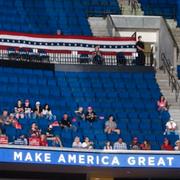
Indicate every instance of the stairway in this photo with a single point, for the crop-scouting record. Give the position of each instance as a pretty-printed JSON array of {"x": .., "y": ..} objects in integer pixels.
[
  {"x": 126, "y": 8},
  {"x": 175, "y": 32},
  {"x": 162, "y": 79},
  {"x": 98, "y": 26}
]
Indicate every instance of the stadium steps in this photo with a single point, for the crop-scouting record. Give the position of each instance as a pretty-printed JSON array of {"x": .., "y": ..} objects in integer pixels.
[
  {"x": 175, "y": 32},
  {"x": 126, "y": 9},
  {"x": 174, "y": 110},
  {"x": 98, "y": 26}
]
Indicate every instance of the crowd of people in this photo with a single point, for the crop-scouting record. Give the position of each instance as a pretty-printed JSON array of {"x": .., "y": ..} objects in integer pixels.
[{"x": 37, "y": 137}]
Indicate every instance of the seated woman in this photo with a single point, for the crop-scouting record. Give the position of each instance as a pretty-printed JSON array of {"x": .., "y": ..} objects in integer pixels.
[
  {"x": 111, "y": 126},
  {"x": 37, "y": 110},
  {"x": 162, "y": 104},
  {"x": 19, "y": 110},
  {"x": 46, "y": 112},
  {"x": 145, "y": 145},
  {"x": 77, "y": 143},
  {"x": 87, "y": 144},
  {"x": 166, "y": 145},
  {"x": 108, "y": 146}
]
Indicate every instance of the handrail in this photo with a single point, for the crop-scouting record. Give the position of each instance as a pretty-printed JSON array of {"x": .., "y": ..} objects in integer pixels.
[{"x": 173, "y": 82}]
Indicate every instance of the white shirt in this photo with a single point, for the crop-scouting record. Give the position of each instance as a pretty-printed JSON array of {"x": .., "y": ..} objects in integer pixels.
[{"x": 171, "y": 125}]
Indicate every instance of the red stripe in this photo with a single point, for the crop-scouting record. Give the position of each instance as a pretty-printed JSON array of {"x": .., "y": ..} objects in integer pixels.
[{"x": 68, "y": 37}]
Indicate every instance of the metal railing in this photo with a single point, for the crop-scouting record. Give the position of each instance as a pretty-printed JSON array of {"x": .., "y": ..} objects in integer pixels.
[
  {"x": 75, "y": 58},
  {"x": 173, "y": 82}
]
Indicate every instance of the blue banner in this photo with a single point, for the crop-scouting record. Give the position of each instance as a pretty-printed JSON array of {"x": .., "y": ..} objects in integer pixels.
[{"x": 91, "y": 159}]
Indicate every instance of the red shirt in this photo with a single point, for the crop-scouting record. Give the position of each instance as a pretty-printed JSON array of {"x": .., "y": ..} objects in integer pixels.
[
  {"x": 167, "y": 147},
  {"x": 43, "y": 143}
]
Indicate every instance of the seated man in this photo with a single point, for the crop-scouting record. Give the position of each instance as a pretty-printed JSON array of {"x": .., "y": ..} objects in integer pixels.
[
  {"x": 90, "y": 115},
  {"x": 66, "y": 123},
  {"x": 111, "y": 126},
  {"x": 120, "y": 145},
  {"x": 97, "y": 56}
]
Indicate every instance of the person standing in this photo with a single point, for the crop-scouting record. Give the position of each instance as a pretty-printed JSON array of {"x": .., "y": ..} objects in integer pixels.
[{"x": 140, "y": 51}]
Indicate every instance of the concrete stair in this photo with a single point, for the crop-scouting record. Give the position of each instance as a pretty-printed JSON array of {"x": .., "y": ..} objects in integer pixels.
[
  {"x": 98, "y": 26},
  {"x": 162, "y": 80},
  {"x": 175, "y": 32},
  {"x": 126, "y": 8}
]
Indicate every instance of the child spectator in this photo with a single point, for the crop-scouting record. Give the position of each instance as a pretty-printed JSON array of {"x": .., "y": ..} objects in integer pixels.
[
  {"x": 145, "y": 145},
  {"x": 90, "y": 115},
  {"x": 120, "y": 145},
  {"x": 35, "y": 132},
  {"x": 111, "y": 126},
  {"x": 166, "y": 145},
  {"x": 27, "y": 109},
  {"x": 19, "y": 110},
  {"x": 177, "y": 147},
  {"x": 135, "y": 144},
  {"x": 162, "y": 104},
  {"x": 87, "y": 144},
  {"x": 108, "y": 146},
  {"x": 77, "y": 143}
]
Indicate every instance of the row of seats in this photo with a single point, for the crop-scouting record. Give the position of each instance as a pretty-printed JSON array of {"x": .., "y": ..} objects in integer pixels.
[
  {"x": 46, "y": 17},
  {"x": 117, "y": 93},
  {"x": 166, "y": 8}
]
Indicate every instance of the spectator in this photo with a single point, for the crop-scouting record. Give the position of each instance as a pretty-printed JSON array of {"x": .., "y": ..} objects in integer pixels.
[
  {"x": 66, "y": 123},
  {"x": 46, "y": 112},
  {"x": 57, "y": 142},
  {"x": 27, "y": 109},
  {"x": 162, "y": 104},
  {"x": 37, "y": 110},
  {"x": 49, "y": 132},
  {"x": 166, "y": 145},
  {"x": 170, "y": 127},
  {"x": 108, "y": 146},
  {"x": 97, "y": 56},
  {"x": 77, "y": 143},
  {"x": 145, "y": 145},
  {"x": 140, "y": 51},
  {"x": 43, "y": 140},
  {"x": 80, "y": 113},
  {"x": 87, "y": 144},
  {"x": 111, "y": 126},
  {"x": 10, "y": 119},
  {"x": 4, "y": 117},
  {"x": 120, "y": 145},
  {"x": 19, "y": 110},
  {"x": 90, "y": 115},
  {"x": 135, "y": 144},
  {"x": 35, "y": 132},
  {"x": 177, "y": 147}
]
